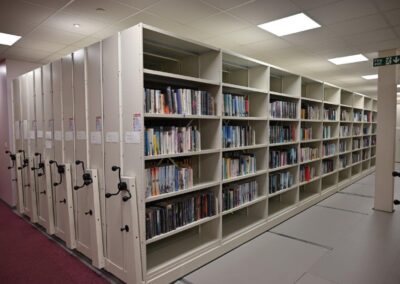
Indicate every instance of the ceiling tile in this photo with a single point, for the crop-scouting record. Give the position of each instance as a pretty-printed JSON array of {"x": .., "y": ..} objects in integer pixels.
[
  {"x": 65, "y": 22},
  {"x": 114, "y": 11},
  {"x": 370, "y": 37},
  {"x": 359, "y": 25},
  {"x": 259, "y": 12},
  {"x": 378, "y": 46},
  {"x": 17, "y": 17},
  {"x": 25, "y": 54},
  {"x": 219, "y": 24},
  {"x": 266, "y": 46},
  {"x": 341, "y": 11},
  {"x": 139, "y": 4},
  {"x": 310, "y": 4},
  {"x": 54, "y": 4},
  {"x": 86, "y": 42},
  {"x": 31, "y": 42},
  {"x": 386, "y": 5},
  {"x": 183, "y": 11},
  {"x": 227, "y": 4},
  {"x": 55, "y": 35},
  {"x": 393, "y": 17},
  {"x": 311, "y": 37}
]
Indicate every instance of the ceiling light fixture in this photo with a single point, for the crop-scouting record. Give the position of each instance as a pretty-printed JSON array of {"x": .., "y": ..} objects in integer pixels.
[
  {"x": 77, "y": 25},
  {"x": 290, "y": 25},
  {"x": 398, "y": 86},
  {"x": 348, "y": 59},
  {"x": 8, "y": 39},
  {"x": 370, "y": 77}
]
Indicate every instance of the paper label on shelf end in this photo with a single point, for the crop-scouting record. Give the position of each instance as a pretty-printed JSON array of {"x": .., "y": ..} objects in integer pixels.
[
  {"x": 81, "y": 135},
  {"x": 49, "y": 144},
  {"x": 40, "y": 134},
  {"x": 31, "y": 134},
  {"x": 57, "y": 135},
  {"x": 69, "y": 135},
  {"x": 132, "y": 137},
  {"x": 95, "y": 137},
  {"x": 112, "y": 137},
  {"x": 49, "y": 135}
]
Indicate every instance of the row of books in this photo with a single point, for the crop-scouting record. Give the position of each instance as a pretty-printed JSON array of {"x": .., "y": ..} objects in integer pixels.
[
  {"x": 328, "y": 166},
  {"x": 282, "y": 133},
  {"x": 328, "y": 149},
  {"x": 343, "y": 146},
  {"x": 283, "y": 109},
  {"x": 307, "y": 173},
  {"x": 236, "y": 194},
  {"x": 357, "y": 116},
  {"x": 367, "y": 117},
  {"x": 179, "y": 101},
  {"x": 344, "y": 131},
  {"x": 168, "y": 177},
  {"x": 373, "y": 140},
  {"x": 236, "y": 164},
  {"x": 308, "y": 153},
  {"x": 171, "y": 140},
  {"x": 366, "y": 129},
  {"x": 356, "y": 130},
  {"x": 309, "y": 112},
  {"x": 356, "y": 143},
  {"x": 343, "y": 161},
  {"x": 345, "y": 115},
  {"x": 366, "y": 142},
  {"x": 280, "y": 181},
  {"x": 238, "y": 136},
  {"x": 280, "y": 158},
  {"x": 326, "y": 131},
  {"x": 330, "y": 114},
  {"x": 306, "y": 133},
  {"x": 365, "y": 154},
  {"x": 236, "y": 105},
  {"x": 165, "y": 216},
  {"x": 356, "y": 157}
]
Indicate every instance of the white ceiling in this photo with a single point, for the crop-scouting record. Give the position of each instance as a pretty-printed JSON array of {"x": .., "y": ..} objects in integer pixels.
[{"x": 348, "y": 27}]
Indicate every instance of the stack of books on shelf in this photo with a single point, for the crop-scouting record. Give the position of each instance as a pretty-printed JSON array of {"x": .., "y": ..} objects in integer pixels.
[
  {"x": 330, "y": 113},
  {"x": 367, "y": 117},
  {"x": 280, "y": 158},
  {"x": 307, "y": 173},
  {"x": 357, "y": 116},
  {"x": 326, "y": 131},
  {"x": 365, "y": 154},
  {"x": 328, "y": 149},
  {"x": 236, "y": 105},
  {"x": 365, "y": 141},
  {"x": 282, "y": 133},
  {"x": 356, "y": 143},
  {"x": 342, "y": 146},
  {"x": 365, "y": 129},
  {"x": 356, "y": 130},
  {"x": 328, "y": 166},
  {"x": 179, "y": 101},
  {"x": 308, "y": 153},
  {"x": 171, "y": 140},
  {"x": 344, "y": 131},
  {"x": 356, "y": 157},
  {"x": 168, "y": 177},
  {"x": 236, "y": 194},
  {"x": 238, "y": 136},
  {"x": 238, "y": 164},
  {"x": 306, "y": 133},
  {"x": 343, "y": 161},
  {"x": 167, "y": 215},
  {"x": 280, "y": 181},
  {"x": 345, "y": 115},
  {"x": 283, "y": 109},
  {"x": 373, "y": 140},
  {"x": 309, "y": 111}
]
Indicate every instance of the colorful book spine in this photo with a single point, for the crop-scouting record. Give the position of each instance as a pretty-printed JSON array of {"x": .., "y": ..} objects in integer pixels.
[
  {"x": 237, "y": 194},
  {"x": 280, "y": 158},
  {"x": 328, "y": 166},
  {"x": 309, "y": 111},
  {"x": 236, "y": 105},
  {"x": 328, "y": 149},
  {"x": 307, "y": 173},
  {"x": 308, "y": 154},
  {"x": 236, "y": 164},
  {"x": 326, "y": 131},
  {"x": 166, "y": 216},
  {"x": 306, "y": 133},
  {"x": 238, "y": 136},
  {"x": 330, "y": 113},
  {"x": 283, "y": 109},
  {"x": 344, "y": 131},
  {"x": 343, "y": 161},
  {"x": 356, "y": 143},
  {"x": 282, "y": 133},
  {"x": 345, "y": 115},
  {"x": 280, "y": 181}
]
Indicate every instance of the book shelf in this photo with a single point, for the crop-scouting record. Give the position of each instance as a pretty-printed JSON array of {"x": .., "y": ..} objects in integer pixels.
[{"x": 240, "y": 144}]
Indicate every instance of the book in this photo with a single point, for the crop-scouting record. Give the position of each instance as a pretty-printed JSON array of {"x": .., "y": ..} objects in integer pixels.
[
  {"x": 309, "y": 153},
  {"x": 283, "y": 109},
  {"x": 330, "y": 113},
  {"x": 282, "y": 133},
  {"x": 238, "y": 136},
  {"x": 236, "y": 105},
  {"x": 282, "y": 157},
  {"x": 306, "y": 133},
  {"x": 280, "y": 181},
  {"x": 236, "y": 194},
  {"x": 307, "y": 173},
  {"x": 236, "y": 164},
  {"x": 309, "y": 111},
  {"x": 328, "y": 149},
  {"x": 328, "y": 166}
]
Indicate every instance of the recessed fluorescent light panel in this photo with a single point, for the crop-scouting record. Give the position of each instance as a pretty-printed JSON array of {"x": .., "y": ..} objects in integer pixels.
[
  {"x": 290, "y": 25},
  {"x": 7, "y": 39},
  {"x": 398, "y": 86},
  {"x": 370, "y": 77},
  {"x": 348, "y": 59}
]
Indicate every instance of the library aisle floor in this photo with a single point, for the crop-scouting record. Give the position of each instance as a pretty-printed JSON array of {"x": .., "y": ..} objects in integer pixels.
[
  {"x": 340, "y": 240},
  {"x": 27, "y": 256}
]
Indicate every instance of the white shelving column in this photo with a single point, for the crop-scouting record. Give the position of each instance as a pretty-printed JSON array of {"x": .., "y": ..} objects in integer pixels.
[{"x": 358, "y": 106}]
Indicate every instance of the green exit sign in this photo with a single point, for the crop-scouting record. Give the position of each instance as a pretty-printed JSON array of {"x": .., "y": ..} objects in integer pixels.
[{"x": 389, "y": 60}]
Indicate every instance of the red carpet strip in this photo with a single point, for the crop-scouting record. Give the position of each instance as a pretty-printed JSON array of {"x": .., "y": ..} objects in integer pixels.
[{"x": 29, "y": 257}]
